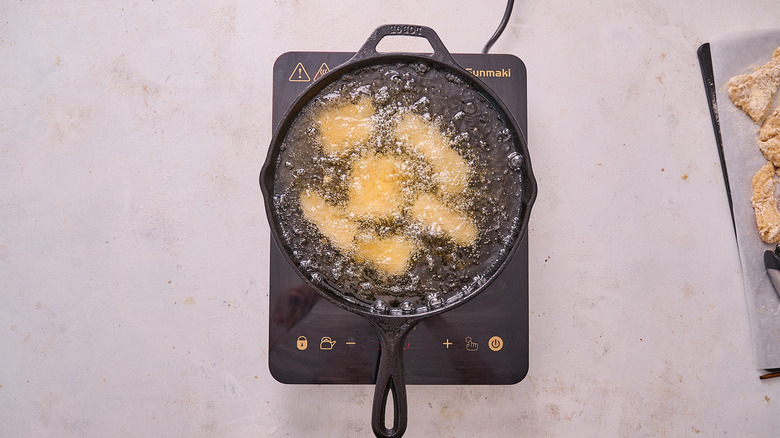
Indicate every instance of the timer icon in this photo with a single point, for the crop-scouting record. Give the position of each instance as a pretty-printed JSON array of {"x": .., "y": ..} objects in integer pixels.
[{"x": 495, "y": 343}]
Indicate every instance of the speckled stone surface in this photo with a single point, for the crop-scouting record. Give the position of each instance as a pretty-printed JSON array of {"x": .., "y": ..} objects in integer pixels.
[{"x": 133, "y": 242}]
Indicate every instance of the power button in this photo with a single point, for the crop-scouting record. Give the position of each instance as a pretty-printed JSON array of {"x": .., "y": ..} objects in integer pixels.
[{"x": 495, "y": 343}]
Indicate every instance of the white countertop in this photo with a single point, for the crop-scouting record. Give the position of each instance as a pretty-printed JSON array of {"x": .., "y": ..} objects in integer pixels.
[{"x": 133, "y": 242}]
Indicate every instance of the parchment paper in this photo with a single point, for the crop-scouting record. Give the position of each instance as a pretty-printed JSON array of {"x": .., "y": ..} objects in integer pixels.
[{"x": 734, "y": 54}]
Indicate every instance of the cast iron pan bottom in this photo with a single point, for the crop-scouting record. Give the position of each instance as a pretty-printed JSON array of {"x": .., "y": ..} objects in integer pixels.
[{"x": 394, "y": 321}]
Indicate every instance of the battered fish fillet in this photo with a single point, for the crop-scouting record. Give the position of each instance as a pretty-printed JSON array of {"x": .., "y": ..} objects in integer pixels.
[
  {"x": 390, "y": 255},
  {"x": 765, "y": 204},
  {"x": 332, "y": 222},
  {"x": 344, "y": 127},
  {"x": 442, "y": 219},
  {"x": 375, "y": 190},
  {"x": 769, "y": 137},
  {"x": 753, "y": 92},
  {"x": 450, "y": 170}
]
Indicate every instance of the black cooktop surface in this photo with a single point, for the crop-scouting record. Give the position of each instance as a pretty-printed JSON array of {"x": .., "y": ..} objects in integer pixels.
[{"x": 484, "y": 341}]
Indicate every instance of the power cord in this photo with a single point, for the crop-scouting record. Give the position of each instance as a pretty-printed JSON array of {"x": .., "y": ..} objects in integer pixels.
[{"x": 507, "y": 13}]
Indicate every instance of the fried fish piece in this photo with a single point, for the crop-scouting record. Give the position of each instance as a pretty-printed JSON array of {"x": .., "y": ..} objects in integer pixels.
[
  {"x": 390, "y": 255},
  {"x": 331, "y": 221},
  {"x": 440, "y": 219},
  {"x": 753, "y": 92},
  {"x": 344, "y": 127},
  {"x": 765, "y": 204},
  {"x": 450, "y": 170},
  {"x": 769, "y": 137},
  {"x": 375, "y": 187}
]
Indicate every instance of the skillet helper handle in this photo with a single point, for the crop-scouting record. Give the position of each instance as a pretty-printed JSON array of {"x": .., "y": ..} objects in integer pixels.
[
  {"x": 390, "y": 380},
  {"x": 440, "y": 53}
]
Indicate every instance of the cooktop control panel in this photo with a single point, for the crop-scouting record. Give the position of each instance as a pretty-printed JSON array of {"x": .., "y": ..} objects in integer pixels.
[{"x": 484, "y": 341}]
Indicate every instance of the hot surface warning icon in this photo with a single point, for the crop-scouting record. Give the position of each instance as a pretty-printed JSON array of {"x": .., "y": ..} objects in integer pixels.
[
  {"x": 323, "y": 69},
  {"x": 299, "y": 74}
]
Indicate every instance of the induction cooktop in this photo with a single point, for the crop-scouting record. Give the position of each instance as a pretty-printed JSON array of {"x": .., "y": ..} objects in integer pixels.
[{"x": 482, "y": 342}]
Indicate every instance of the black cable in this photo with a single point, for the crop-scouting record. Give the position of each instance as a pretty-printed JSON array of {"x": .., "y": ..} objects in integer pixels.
[{"x": 509, "y": 5}]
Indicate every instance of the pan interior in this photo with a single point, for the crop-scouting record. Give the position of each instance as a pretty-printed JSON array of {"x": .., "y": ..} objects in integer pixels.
[{"x": 439, "y": 266}]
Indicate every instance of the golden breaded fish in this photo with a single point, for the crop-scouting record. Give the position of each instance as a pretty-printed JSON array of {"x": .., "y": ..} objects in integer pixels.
[
  {"x": 344, "y": 127},
  {"x": 390, "y": 255},
  {"x": 451, "y": 171},
  {"x": 332, "y": 222},
  {"x": 442, "y": 219}
]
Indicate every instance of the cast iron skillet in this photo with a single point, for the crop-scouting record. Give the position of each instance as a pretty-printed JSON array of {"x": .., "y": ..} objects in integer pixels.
[{"x": 394, "y": 324}]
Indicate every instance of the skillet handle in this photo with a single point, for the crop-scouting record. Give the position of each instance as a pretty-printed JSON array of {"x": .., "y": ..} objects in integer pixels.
[
  {"x": 440, "y": 53},
  {"x": 390, "y": 380}
]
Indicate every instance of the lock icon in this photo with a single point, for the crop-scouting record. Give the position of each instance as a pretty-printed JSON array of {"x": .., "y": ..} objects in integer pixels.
[{"x": 302, "y": 343}]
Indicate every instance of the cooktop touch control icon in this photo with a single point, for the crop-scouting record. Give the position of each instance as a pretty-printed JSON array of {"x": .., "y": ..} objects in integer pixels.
[
  {"x": 471, "y": 345},
  {"x": 326, "y": 343},
  {"x": 495, "y": 343}
]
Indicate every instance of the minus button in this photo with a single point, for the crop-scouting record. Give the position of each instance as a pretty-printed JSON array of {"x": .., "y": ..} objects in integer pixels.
[{"x": 350, "y": 341}]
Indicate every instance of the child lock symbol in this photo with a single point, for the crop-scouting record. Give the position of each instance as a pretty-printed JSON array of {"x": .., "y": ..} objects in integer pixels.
[{"x": 302, "y": 343}]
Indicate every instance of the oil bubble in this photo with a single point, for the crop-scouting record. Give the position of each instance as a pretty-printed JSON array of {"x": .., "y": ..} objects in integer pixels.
[
  {"x": 420, "y": 68},
  {"x": 433, "y": 300},
  {"x": 515, "y": 161},
  {"x": 379, "y": 306}
]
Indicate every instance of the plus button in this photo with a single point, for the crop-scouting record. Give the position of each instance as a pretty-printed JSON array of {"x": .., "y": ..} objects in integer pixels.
[{"x": 447, "y": 344}]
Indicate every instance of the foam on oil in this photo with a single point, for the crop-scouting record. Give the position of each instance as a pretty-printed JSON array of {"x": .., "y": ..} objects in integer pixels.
[{"x": 488, "y": 195}]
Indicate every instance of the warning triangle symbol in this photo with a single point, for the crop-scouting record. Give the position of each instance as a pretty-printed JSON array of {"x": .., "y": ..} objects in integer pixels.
[
  {"x": 299, "y": 74},
  {"x": 323, "y": 69}
]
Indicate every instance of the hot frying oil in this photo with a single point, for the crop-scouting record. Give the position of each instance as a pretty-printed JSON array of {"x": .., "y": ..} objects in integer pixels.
[{"x": 393, "y": 184}]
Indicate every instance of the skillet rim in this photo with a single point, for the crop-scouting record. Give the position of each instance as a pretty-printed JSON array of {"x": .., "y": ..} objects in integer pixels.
[{"x": 268, "y": 171}]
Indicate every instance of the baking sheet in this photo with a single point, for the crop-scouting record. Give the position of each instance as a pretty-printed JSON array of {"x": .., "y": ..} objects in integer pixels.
[{"x": 734, "y": 54}]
